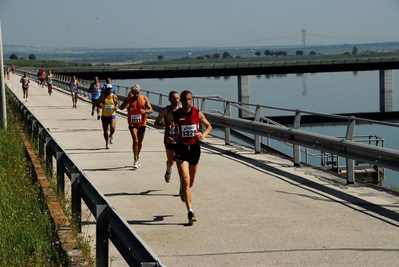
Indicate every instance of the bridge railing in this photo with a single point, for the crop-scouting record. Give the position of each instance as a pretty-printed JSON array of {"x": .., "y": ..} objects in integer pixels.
[
  {"x": 219, "y": 111},
  {"x": 110, "y": 226},
  {"x": 205, "y": 65}
]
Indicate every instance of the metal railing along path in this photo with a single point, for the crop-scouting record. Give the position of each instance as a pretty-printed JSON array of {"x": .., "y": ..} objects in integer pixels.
[
  {"x": 262, "y": 127},
  {"x": 252, "y": 207},
  {"x": 110, "y": 226}
]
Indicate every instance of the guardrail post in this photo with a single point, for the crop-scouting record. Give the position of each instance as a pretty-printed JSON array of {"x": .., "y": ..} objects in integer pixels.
[
  {"x": 49, "y": 156},
  {"x": 102, "y": 235},
  {"x": 203, "y": 107},
  {"x": 227, "y": 112},
  {"x": 297, "y": 148},
  {"x": 257, "y": 137},
  {"x": 76, "y": 193},
  {"x": 60, "y": 157},
  {"x": 40, "y": 142},
  {"x": 34, "y": 130},
  {"x": 350, "y": 166}
]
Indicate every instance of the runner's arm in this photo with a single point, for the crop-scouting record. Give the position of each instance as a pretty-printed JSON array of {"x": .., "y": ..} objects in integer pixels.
[
  {"x": 148, "y": 107},
  {"x": 208, "y": 127},
  {"x": 161, "y": 115},
  {"x": 125, "y": 103}
]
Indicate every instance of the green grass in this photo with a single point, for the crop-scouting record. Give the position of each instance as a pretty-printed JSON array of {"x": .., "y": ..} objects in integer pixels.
[
  {"x": 42, "y": 63},
  {"x": 26, "y": 234},
  {"x": 264, "y": 59}
]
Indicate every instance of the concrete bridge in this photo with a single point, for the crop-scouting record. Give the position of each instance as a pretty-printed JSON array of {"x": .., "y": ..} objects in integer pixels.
[
  {"x": 252, "y": 209},
  {"x": 384, "y": 65}
]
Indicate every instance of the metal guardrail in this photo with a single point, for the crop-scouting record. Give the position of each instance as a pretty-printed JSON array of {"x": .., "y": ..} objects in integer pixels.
[
  {"x": 260, "y": 126},
  {"x": 110, "y": 226}
]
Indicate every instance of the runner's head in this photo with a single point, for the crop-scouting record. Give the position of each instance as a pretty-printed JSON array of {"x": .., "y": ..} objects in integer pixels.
[
  {"x": 135, "y": 91},
  {"x": 174, "y": 98},
  {"x": 186, "y": 99}
]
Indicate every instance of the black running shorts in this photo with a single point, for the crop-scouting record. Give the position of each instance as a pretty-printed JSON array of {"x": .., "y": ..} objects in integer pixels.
[{"x": 191, "y": 153}]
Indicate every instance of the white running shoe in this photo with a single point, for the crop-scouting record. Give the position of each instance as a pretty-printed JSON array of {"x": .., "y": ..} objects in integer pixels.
[
  {"x": 111, "y": 139},
  {"x": 136, "y": 164},
  {"x": 107, "y": 146}
]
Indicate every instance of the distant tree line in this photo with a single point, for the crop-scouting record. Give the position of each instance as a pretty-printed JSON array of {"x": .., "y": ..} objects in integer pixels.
[
  {"x": 267, "y": 53},
  {"x": 226, "y": 54},
  {"x": 15, "y": 57}
]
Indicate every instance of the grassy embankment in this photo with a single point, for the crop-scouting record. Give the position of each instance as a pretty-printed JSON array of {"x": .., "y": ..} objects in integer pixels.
[
  {"x": 287, "y": 59},
  {"x": 41, "y": 63},
  {"x": 26, "y": 234}
]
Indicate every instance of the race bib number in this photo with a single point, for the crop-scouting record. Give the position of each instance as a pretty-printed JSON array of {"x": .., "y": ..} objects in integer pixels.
[
  {"x": 189, "y": 130},
  {"x": 135, "y": 118},
  {"x": 109, "y": 108}
]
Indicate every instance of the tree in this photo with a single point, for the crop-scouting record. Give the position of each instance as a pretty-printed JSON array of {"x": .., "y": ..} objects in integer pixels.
[
  {"x": 13, "y": 56},
  {"x": 32, "y": 57},
  {"x": 267, "y": 53},
  {"x": 208, "y": 56},
  {"x": 299, "y": 53},
  {"x": 312, "y": 53},
  {"x": 160, "y": 57},
  {"x": 258, "y": 53},
  {"x": 226, "y": 55},
  {"x": 216, "y": 56},
  {"x": 354, "y": 50}
]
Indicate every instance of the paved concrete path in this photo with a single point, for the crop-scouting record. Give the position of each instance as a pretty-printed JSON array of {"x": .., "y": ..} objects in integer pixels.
[{"x": 252, "y": 210}]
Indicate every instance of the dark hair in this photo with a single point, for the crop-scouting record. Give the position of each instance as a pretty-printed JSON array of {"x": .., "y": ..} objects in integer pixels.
[
  {"x": 184, "y": 93},
  {"x": 171, "y": 93}
]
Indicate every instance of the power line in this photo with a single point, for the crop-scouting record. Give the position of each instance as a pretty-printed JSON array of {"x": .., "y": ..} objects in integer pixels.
[{"x": 254, "y": 41}]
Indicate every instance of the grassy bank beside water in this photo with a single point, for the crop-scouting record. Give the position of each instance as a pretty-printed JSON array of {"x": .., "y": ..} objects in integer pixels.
[{"x": 26, "y": 233}]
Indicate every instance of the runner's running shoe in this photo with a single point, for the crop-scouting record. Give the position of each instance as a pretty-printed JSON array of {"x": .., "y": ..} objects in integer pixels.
[
  {"x": 136, "y": 164},
  {"x": 191, "y": 217},
  {"x": 168, "y": 175}
]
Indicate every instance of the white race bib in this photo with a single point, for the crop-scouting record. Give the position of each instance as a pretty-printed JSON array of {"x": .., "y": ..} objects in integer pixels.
[
  {"x": 188, "y": 130},
  {"x": 109, "y": 108},
  {"x": 135, "y": 118}
]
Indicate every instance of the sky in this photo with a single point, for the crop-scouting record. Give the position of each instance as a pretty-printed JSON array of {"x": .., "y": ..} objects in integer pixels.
[{"x": 196, "y": 23}]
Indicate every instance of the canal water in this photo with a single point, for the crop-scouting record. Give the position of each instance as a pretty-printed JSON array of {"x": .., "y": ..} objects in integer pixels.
[{"x": 346, "y": 92}]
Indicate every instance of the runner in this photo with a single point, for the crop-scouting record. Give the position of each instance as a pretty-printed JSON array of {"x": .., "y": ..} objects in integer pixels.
[
  {"x": 42, "y": 77},
  {"x": 188, "y": 150},
  {"x": 95, "y": 90},
  {"x": 74, "y": 87},
  {"x": 108, "y": 83},
  {"x": 50, "y": 77},
  {"x": 174, "y": 100},
  {"x": 109, "y": 104},
  {"x": 25, "y": 85},
  {"x": 138, "y": 108}
]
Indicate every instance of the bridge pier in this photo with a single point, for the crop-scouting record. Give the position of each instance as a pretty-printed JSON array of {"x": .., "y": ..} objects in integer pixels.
[
  {"x": 243, "y": 94},
  {"x": 386, "y": 91}
]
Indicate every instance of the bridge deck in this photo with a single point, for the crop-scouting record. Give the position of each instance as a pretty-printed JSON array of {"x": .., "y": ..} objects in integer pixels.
[{"x": 252, "y": 210}]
